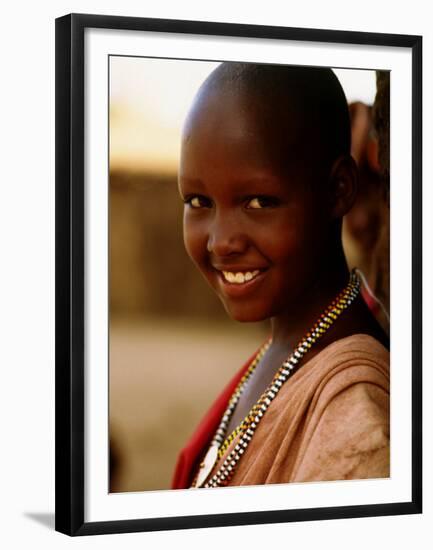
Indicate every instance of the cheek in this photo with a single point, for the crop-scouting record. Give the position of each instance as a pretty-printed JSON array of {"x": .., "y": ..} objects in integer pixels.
[
  {"x": 195, "y": 241},
  {"x": 285, "y": 238},
  {"x": 292, "y": 245}
]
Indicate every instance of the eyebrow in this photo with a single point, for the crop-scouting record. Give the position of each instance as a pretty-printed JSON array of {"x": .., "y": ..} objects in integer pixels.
[
  {"x": 196, "y": 184},
  {"x": 187, "y": 179},
  {"x": 260, "y": 179}
]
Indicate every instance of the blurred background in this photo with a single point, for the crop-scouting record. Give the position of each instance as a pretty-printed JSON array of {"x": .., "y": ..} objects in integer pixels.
[{"x": 172, "y": 346}]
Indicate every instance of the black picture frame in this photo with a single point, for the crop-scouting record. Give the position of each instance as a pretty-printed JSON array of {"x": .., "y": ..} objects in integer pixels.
[{"x": 70, "y": 281}]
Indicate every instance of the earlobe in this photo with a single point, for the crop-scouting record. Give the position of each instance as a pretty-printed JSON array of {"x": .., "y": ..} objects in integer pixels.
[{"x": 343, "y": 185}]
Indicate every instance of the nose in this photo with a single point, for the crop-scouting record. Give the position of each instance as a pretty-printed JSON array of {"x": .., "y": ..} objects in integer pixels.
[{"x": 226, "y": 236}]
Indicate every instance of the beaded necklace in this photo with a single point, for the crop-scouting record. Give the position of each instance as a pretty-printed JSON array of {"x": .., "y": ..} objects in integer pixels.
[{"x": 247, "y": 427}]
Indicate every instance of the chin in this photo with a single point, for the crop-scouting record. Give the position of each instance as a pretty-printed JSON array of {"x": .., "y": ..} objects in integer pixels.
[{"x": 245, "y": 315}]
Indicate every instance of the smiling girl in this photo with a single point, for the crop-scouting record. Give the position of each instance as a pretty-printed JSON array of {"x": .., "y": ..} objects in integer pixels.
[{"x": 266, "y": 177}]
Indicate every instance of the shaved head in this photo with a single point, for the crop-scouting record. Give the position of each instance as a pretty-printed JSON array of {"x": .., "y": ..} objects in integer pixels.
[{"x": 302, "y": 112}]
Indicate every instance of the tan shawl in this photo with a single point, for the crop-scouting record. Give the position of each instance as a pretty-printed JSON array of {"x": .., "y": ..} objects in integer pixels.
[{"x": 329, "y": 421}]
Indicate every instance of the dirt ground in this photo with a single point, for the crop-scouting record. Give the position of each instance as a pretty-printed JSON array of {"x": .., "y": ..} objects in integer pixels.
[{"x": 163, "y": 377}]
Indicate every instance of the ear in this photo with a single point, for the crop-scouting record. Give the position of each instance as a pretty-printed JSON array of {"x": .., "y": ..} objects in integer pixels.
[{"x": 343, "y": 185}]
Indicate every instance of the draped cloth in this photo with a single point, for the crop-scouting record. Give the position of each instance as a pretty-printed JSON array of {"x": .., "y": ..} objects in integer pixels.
[{"x": 329, "y": 421}]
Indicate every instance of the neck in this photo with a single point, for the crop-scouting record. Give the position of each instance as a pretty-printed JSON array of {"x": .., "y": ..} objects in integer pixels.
[{"x": 291, "y": 324}]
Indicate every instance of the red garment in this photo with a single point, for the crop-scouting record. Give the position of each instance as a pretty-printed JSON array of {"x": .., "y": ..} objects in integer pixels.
[
  {"x": 201, "y": 438},
  {"x": 372, "y": 304}
]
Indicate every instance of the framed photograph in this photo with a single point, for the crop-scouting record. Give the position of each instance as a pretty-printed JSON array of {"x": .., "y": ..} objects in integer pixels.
[{"x": 238, "y": 274}]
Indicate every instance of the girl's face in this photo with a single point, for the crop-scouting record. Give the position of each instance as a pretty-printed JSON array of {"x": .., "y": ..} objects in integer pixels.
[{"x": 254, "y": 222}]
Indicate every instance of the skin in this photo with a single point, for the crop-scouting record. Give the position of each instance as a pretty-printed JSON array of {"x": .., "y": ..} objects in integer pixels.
[{"x": 256, "y": 200}]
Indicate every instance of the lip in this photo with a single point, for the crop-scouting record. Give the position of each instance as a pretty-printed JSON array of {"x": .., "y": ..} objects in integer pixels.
[
  {"x": 236, "y": 290},
  {"x": 238, "y": 267}
]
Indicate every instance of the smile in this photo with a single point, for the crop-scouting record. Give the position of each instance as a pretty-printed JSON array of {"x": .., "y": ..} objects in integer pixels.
[
  {"x": 240, "y": 278},
  {"x": 240, "y": 282}
]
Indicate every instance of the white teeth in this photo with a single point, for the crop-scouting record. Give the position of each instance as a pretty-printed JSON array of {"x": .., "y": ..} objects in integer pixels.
[
  {"x": 229, "y": 276},
  {"x": 240, "y": 278}
]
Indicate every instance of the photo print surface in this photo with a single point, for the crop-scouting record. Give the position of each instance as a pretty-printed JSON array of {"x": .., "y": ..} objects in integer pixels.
[{"x": 248, "y": 274}]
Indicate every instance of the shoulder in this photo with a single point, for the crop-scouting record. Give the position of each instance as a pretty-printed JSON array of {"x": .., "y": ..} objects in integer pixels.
[
  {"x": 353, "y": 360},
  {"x": 358, "y": 348},
  {"x": 347, "y": 432},
  {"x": 352, "y": 391},
  {"x": 350, "y": 440}
]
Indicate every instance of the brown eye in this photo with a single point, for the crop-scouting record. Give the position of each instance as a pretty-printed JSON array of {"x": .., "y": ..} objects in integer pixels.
[
  {"x": 254, "y": 203},
  {"x": 261, "y": 202},
  {"x": 198, "y": 201},
  {"x": 195, "y": 202}
]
